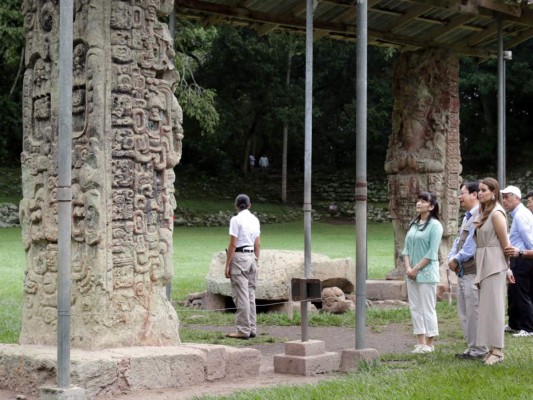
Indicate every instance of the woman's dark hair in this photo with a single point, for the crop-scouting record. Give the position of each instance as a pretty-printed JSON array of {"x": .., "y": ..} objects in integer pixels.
[
  {"x": 434, "y": 213},
  {"x": 242, "y": 202}
]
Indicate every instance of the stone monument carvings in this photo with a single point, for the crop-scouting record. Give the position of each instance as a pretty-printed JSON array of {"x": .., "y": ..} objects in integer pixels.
[
  {"x": 423, "y": 152},
  {"x": 126, "y": 140}
]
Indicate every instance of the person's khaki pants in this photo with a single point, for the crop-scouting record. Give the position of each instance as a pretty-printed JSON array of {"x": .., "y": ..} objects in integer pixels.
[{"x": 243, "y": 272}]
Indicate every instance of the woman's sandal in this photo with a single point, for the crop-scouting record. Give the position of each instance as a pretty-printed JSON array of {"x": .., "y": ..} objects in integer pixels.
[{"x": 494, "y": 358}]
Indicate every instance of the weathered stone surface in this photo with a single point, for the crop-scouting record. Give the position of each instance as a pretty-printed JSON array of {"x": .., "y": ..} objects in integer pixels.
[
  {"x": 352, "y": 358},
  {"x": 334, "y": 301},
  {"x": 278, "y": 267},
  {"x": 306, "y": 358},
  {"x": 55, "y": 393},
  {"x": 380, "y": 289},
  {"x": 291, "y": 307},
  {"x": 423, "y": 152},
  {"x": 120, "y": 370},
  {"x": 126, "y": 140}
]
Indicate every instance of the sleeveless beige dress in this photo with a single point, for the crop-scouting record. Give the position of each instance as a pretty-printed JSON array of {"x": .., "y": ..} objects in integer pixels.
[{"x": 491, "y": 268}]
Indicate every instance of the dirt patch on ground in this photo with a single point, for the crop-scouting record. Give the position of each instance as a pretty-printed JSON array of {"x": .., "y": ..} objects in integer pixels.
[{"x": 394, "y": 338}]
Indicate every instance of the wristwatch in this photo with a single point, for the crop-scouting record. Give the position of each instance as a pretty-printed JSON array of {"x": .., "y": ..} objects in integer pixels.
[{"x": 520, "y": 253}]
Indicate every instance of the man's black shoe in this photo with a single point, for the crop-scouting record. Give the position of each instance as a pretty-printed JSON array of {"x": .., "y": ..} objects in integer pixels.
[{"x": 465, "y": 356}]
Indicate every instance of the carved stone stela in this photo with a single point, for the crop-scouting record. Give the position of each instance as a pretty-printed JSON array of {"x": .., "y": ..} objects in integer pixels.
[
  {"x": 126, "y": 140},
  {"x": 423, "y": 152}
]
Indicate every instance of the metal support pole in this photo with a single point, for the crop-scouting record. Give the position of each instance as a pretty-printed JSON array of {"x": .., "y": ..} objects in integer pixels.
[
  {"x": 308, "y": 156},
  {"x": 361, "y": 174},
  {"x": 501, "y": 106},
  {"x": 172, "y": 21},
  {"x": 172, "y": 30},
  {"x": 64, "y": 192}
]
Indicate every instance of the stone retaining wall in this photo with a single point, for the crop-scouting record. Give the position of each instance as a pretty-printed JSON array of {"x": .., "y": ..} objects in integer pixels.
[{"x": 338, "y": 190}]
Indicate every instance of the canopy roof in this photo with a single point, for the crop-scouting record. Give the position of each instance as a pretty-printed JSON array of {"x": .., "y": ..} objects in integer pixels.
[{"x": 466, "y": 26}]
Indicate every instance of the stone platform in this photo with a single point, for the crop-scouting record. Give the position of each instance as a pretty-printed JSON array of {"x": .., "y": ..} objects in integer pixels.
[
  {"x": 306, "y": 358},
  {"x": 382, "y": 289},
  {"x": 25, "y": 369}
]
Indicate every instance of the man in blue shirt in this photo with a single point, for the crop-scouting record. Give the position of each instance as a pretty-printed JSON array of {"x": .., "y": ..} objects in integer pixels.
[
  {"x": 520, "y": 294},
  {"x": 461, "y": 261}
]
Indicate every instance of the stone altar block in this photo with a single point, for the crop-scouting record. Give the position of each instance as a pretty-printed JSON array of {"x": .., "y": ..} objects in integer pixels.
[{"x": 120, "y": 370}]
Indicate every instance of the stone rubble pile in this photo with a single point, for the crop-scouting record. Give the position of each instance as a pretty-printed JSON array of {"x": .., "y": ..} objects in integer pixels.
[{"x": 9, "y": 215}]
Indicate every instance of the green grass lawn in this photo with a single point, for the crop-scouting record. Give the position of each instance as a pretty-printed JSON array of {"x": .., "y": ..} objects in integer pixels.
[
  {"x": 194, "y": 247},
  {"x": 395, "y": 376},
  {"x": 193, "y": 250}
]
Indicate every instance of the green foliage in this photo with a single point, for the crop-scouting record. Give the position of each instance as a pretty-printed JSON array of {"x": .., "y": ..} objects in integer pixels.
[
  {"x": 479, "y": 119},
  {"x": 11, "y": 45},
  {"x": 11, "y": 33},
  {"x": 198, "y": 103},
  {"x": 192, "y": 44}
]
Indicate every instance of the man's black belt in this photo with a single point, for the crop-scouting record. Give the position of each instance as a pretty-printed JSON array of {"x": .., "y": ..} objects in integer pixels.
[{"x": 244, "y": 249}]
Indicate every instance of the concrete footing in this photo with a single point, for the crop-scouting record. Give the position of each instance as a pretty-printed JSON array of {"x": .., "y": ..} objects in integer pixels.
[
  {"x": 306, "y": 358},
  {"x": 352, "y": 358},
  {"x": 71, "y": 393},
  {"x": 27, "y": 368}
]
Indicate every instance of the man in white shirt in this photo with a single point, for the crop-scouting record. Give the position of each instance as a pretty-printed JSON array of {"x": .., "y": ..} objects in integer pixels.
[{"x": 242, "y": 256}]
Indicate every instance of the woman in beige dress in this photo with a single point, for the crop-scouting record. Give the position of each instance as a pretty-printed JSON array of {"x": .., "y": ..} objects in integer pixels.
[{"x": 492, "y": 266}]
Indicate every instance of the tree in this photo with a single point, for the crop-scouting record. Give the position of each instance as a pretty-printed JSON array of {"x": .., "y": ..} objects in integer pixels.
[
  {"x": 192, "y": 44},
  {"x": 248, "y": 78},
  {"x": 479, "y": 120},
  {"x": 293, "y": 46},
  {"x": 11, "y": 65}
]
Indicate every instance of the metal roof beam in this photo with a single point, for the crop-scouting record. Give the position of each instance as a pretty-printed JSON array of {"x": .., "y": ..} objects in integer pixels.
[
  {"x": 520, "y": 38},
  {"x": 412, "y": 14},
  {"x": 486, "y": 33},
  {"x": 456, "y": 22}
]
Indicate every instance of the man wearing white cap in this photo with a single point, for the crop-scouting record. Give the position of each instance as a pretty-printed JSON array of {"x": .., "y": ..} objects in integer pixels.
[{"x": 520, "y": 294}]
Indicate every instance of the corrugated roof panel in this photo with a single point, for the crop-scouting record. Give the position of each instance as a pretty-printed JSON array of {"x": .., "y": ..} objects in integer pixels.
[
  {"x": 416, "y": 23},
  {"x": 417, "y": 28},
  {"x": 397, "y": 6},
  {"x": 380, "y": 21}
]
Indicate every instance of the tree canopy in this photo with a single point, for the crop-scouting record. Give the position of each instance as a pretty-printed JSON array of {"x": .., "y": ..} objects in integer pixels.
[{"x": 240, "y": 90}]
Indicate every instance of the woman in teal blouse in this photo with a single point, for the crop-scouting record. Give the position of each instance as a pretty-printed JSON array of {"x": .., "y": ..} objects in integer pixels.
[{"x": 421, "y": 257}]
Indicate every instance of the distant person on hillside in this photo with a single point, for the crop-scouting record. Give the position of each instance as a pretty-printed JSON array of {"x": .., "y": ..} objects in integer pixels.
[
  {"x": 251, "y": 161},
  {"x": 242, "y": 255},
  {"x": 461, "y": 260},
  {"x": 421, "y": 258},
  {"x": 263, "y": 163}
]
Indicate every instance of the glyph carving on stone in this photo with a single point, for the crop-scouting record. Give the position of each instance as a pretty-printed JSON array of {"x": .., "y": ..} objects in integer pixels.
[
  {"x": 423, "y": 152},
  {"x": 126, "y": 129}
]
